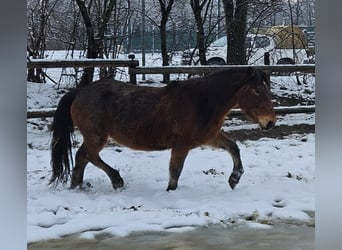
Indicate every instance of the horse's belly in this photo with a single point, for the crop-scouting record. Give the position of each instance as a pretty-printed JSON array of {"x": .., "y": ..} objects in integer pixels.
[
  {"x": 135, "y": 143},
  {"x": 152, "y": 133},
  {"x": 140, "y": 140}
]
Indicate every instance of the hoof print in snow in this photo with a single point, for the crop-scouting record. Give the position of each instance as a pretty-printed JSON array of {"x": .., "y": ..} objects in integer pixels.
[
  {"x": 212, "y": 171},
  {"x": 85, "y": 187},
  {"x": 297, "y": 177},
  {"x": 133, "y": 208},
  {"x": 279, "y": 203},
  {"x": 252, "y": 217}
]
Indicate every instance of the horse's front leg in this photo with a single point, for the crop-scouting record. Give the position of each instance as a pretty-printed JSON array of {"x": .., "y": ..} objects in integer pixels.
[
  {"x": 176, "y": 165},
  {"x": 224, "y": 142}
]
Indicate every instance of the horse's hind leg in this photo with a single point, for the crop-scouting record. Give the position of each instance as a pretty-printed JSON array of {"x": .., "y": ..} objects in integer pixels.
[
  {"x": 78, "y": 171},
  {"x": 176, "y": 165},
  {"x": 113, "y": 174},
  {"x": 94, "y": 148},
  {"x": 222, "y": 141}
]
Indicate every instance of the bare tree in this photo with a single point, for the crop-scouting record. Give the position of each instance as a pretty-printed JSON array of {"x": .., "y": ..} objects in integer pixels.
[
  {"x": 236, "y": 23},
  {"x": 38, "y": 24},
  {"x": 158, "y": 16},
  {"x": 165, "y": 9},
  {"x": 197, "y": 7},
  {"x": 94, "y": 43},
  {"x": 262, "y": 13},
  {"x": 99, "y": 27}
]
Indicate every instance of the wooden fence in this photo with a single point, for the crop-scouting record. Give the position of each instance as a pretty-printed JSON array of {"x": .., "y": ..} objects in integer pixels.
[
  {"x": 43, "y": 63},
  {"x": 234, "y": 112},
  {"x": 134, "y": 70},
  {"x": 82, "y": 63},
  {"x": 308, "y": 68}
]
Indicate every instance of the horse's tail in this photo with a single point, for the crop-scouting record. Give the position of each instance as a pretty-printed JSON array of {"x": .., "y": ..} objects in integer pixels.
[{"x": 62, "y": 129}]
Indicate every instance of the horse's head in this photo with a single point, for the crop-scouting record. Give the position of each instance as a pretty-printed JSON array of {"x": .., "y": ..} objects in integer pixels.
[{"x": 255, "y": 100}]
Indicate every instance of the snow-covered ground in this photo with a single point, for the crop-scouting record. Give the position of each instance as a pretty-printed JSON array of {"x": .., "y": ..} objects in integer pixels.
[{"x": 278, "y": 183}]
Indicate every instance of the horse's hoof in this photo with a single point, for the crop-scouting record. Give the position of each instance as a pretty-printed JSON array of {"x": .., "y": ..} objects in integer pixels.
[
  {"x": 235, "y": 178},
  {"x": 73, "y": 186},
  {"x": 170, "y": 187},
  {"x": 118, "y": 184},
  {"x": 233, "y": 181},
  {"x": 232, "y": 184}
]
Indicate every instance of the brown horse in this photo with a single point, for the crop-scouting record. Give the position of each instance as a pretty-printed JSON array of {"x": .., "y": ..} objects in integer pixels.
[{"x": 180, "y": 117}]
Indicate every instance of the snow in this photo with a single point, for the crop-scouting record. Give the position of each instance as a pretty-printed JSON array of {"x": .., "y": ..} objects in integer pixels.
[{"x": 278, "y": 183}]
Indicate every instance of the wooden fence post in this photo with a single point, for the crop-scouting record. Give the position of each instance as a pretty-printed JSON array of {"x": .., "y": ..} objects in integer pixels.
[
  {"x": 132, "y": 76},
  {"x": 267, "y": 58}
]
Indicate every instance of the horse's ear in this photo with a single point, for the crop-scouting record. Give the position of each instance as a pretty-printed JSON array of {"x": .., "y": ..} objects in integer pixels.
[
  {"x": 266, "y": 74},
  {"x": 251, "y": 72}
]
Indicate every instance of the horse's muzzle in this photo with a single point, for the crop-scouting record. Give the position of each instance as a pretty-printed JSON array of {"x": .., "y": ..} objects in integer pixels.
[{"x": 268, "y": 125}]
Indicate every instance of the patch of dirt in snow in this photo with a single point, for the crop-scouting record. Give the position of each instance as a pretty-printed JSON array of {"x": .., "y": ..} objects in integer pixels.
[{"x": 278, "y": 132}]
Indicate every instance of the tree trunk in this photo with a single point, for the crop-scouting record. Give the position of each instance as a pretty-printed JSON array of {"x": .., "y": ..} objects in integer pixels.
[
  {"x": 165, "y": 11},
  {"x": 94, "y": 45},
  {"x": 38, "y": 36},
  {"x": 88, "y": 73},
  {"x": 236, "y": 22},
  {"x": 197, "y": 8}
]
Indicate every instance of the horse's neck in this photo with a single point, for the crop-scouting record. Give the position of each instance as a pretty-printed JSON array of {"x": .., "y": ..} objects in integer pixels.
[{"x": 224, "y": 91}]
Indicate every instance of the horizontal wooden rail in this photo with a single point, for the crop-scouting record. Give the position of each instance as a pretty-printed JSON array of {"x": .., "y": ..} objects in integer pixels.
[
  {"x": 134, "y": 69},
  {"x": 44, "y": 63},
  {"x": 234, "y": 112},
  {"x": 308, "y": 68},
  {"x": 40, "y": 113}
]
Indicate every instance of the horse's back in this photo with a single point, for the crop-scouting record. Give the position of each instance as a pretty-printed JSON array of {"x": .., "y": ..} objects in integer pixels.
[
  {"x": 146, "y": 118},
  {"x": 123, "y": 111}
]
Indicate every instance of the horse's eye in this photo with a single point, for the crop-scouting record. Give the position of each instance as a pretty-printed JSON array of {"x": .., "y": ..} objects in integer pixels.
[{"x": 256, "y": 91}]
